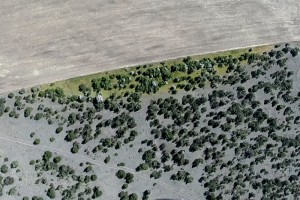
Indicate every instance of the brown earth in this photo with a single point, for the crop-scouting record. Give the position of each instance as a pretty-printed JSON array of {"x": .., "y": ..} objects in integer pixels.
[{"x": 47, "y": 41}]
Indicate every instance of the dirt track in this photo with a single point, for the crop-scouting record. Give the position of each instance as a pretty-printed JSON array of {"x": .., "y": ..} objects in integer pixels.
[{"x": 46, "y": 41}]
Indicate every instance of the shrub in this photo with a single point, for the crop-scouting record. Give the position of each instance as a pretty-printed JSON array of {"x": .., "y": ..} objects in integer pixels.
[
  {"x": 107, "y": 159},
  {"x": 57, "y": 159},
  {"x": 8, "y": 180},
  {"x": 196, "y": 162},
  {"x": 121, "y": 174},
  {"x": 133, "y": 196},
  {"x": 96, "y": 192},
  {"x": 11, "y": 95},
  {"x": 36, "y": 141},
  {"x": 59, "y": 129},
  {"x": 12, "y": 191},
  {"x": 47, "y": 155},
  {"x": 129, "y": 178},
  {"x": 4, "y": 169},
  {"x": 294, "y": 52},
  {"x": 14, "y": 164},
  {"x": 94, "y": 177},
  {"x": 27, "y": 111},
  {"x": 75, "y": 147},
  {"x": 51, "y": 192}
]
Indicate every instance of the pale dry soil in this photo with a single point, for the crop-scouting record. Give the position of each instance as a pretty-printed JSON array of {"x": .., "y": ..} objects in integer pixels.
[{"x": 47, "y": 41}]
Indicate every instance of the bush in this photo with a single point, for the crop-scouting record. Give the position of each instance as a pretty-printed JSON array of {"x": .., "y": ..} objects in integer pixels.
[
  {"x": 107, "y": 159},
  {"x": 27, "y": 111},
  {"x": 36, "y": 141},
  {"x": 38, "y": 116},
  {"x": 75, "y": 147},
  {"x": 129, "y": 178},
  {"x": 32, "y": 162},
  {"x": 14, "y": 164},
  {"x": 94, "y": 177},
  {"x": 8, "y": 180},
  {"x": 57, "y": 159},
  {"x": 59, "y": 129},
  {"x": 196, "y": 162},
  {"x": 11, "y": 95},
  {"x": 133, "y": 196},
  {"x": 121, "y": 174},
  {"x": 51, "y": 192},
  {"x": 294, "y": 52},
  {"x": 12, "y": 191},
  {"x": 97, "y": 192},
  {"x": 47, "y": 155},
  {"x": 4, "y": 169}
]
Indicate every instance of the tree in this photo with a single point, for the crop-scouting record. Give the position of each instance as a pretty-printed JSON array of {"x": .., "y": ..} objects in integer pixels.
[
  {"x": 107, "y": 159},
  {"x": 4, "y": 169},
  {"x": 129, "y": 178},
  {"x": 57, "y": 159},
  {"x": 36, "y": 141},
  {"x": 27, "y": 111},
  {"x": 142, "y": 166},
  {"x": 75, "y": 147},
  {"x": 88, "y": 169},
  {"x": 133, "y": 196},
  {"x": 121, "y": 174},
  {"x": 156, "y": 174},
  {"x": 8, "y": 180},
  {"x": 96, "y": 192},
  {"x": 196, "y": 162},
  {"x": 94, "y": 177},
  {"x": 59, "y": 129},
  {"x": 47, "y": 155},
  {"x": 148, "y": 155},
  {"x": 51, "y": 192},
  {"x": 14, "y": 164},
  {"x": 294, "y": 51}
]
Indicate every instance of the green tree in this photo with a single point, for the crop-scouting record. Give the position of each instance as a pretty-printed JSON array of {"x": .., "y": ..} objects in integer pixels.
[
  {"x": 59, "y": 129},
  {"x": 36, "y": 141},
  {"x": 133, "y": 196},
  {"x": 121, "y": 174},
  {"x": 51, "y": 192},
  {"x": 4, "y": 169}
]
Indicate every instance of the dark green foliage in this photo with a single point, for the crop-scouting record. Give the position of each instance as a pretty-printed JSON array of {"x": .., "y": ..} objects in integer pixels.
[
  {"x": 59, "y": 129},
  {"x": 107, "y": 159},
  {"x": 133, "y": 196},
  {"x": 14, "y": 164},
  {"x": 129, "y": 178},
  {"x": 8, "y": 180},
  {"x": 36, "y": 141},
  {"x": 294, "y": 51},
  {"x": 4, "y": 169},
  {"x": 75, "y": 147},
  {"x": 52, "y": 93},
  {"x": 47, "y": 155},
  {"x": 196, "y": 162},
  {"x": 148, "y": 155},
  {"x": 121, "y": 174},
  {"x": 51, "y": 192},
  {"x": 96, "y": 192},
  {"x": 57, "y": 159},
  {"x": 27, "y": 111}
]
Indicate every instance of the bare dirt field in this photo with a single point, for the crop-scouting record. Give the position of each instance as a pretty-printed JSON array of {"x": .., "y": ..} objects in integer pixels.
[{"x": 47, "y": 41}]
